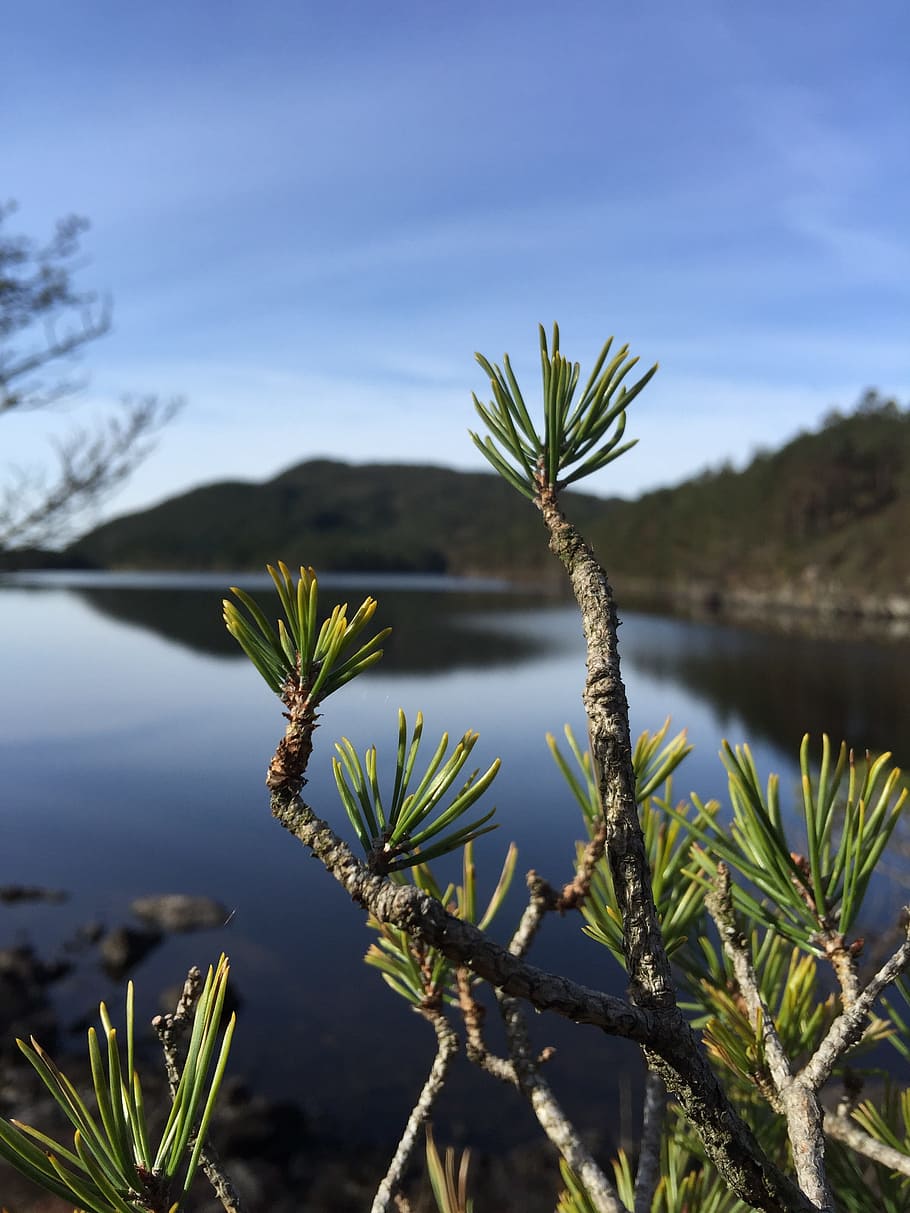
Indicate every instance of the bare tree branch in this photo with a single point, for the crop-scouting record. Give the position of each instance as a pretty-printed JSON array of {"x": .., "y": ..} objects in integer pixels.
[
  {"x": 169, "y": 1028},
  {"x": 35, "y": 510},
  {"x": 843, "y": 960},
  {"x": 33, "y": 393},
  {"x": 523, "y": 1073},
  {"x": 554, "y": 1122},
  {"x": 45, "y": 323},
  {"x": 841, "y": 1128},
  {"x": 36, "y": 291},
  {"x": 797, "y": 1099},
  {"x": 847, "y": 1030},
  {"x": 647, "y": 1176},
  {"x": 719, "y": 902},
  {"x": 611, "y": 747},
  {"x": 543, "y": 897},
  {"x": 524, "y": 1069},
  {"x": 447, "y": 1047},
  {"x": 575, "y": 892},
  {"x": 476, "y": 1049}
]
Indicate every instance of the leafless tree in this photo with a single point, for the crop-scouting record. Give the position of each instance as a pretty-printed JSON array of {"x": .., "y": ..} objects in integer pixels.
[{"x": 45, "y": 323}]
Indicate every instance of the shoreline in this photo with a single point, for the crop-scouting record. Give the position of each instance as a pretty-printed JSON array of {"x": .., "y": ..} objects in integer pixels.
[
  {"x": 827, "y": 611},
  {"x": 805, "y": 607}
]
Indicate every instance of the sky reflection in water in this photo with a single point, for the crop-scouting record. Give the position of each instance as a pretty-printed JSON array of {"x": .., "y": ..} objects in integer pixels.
[{"x": 132, "y": 755}]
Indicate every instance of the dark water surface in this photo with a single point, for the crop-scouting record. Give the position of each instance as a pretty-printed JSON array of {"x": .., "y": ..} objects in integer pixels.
[{"x": 133, "y": 747}]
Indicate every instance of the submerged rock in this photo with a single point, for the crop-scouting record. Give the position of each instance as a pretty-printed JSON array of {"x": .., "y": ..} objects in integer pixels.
[
  {"x": 180, "y": 912},
  {"x": 11, "y": 893},
  {"x": 25, "y": 1008},
  {"x": 123, "y": 948}
]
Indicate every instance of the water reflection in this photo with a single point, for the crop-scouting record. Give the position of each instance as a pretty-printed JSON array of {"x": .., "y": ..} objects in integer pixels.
[
  {"x": 779, "y": 686},
  {"x": 774, "y": 686},
  {"x": 782, "y": 686},
  {"x": 433, "y": 630},
  {"x": 133, "y": 760}
]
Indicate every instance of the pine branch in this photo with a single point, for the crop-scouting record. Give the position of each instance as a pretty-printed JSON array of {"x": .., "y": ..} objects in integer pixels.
[
  {"x": 169, "y": 1029},
  {"x": 847, "y": 1030},
  {"x": 559, "y": 1129},
  {"x": 797, "y": 1098},
  {"x": 446, "y": 1048},
  {"x": 841, "y": 1128},
  {"x": 670, "y": 1045},
  {"x": 611, "y": 746},
  {"x": 648, "y": 1175}
]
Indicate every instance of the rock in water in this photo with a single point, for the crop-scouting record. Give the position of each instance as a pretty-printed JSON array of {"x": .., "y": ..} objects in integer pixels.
[
  {"x": 180, "y": 912},
  {"x": 123, "y": 948}
]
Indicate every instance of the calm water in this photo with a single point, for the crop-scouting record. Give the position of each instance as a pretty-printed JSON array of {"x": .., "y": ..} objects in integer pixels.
[{"x": 134, "y": 740}]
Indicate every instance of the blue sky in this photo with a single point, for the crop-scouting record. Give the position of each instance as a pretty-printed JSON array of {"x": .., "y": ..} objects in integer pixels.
[{"x": 310, "y": 216}]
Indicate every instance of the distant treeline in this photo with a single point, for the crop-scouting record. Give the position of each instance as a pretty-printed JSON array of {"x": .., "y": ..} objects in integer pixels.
[{"x": 828, "y": 512}]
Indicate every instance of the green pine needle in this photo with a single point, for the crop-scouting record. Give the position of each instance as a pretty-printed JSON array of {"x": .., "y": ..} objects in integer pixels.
[
  {"x": 294, "y": 653},
  {"x": 575, "y": 441}
]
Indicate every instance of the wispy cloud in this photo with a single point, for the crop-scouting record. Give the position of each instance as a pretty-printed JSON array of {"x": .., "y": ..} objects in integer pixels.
[{"x": 309, "y": 232}]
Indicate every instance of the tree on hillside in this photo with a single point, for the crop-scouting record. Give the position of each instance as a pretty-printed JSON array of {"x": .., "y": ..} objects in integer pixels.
[
  {"x": 45, "y": 324},
  {"x": 749, "y": 999}
]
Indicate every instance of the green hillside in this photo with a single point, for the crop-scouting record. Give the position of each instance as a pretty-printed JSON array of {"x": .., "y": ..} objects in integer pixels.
[
  {"x": 829, "y": 512},
  {"x": 338, "y": 516}
]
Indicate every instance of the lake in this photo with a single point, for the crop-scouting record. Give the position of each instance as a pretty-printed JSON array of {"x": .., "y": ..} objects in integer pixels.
[{"x": 134, "y": 743}]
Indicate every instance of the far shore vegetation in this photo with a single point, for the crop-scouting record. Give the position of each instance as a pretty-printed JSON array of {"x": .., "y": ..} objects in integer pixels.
[{"x": 816, "y": 527}]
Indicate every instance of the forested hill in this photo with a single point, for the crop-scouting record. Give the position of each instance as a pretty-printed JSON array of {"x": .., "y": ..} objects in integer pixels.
[
  {"x": 831, "y": 509},
  {"x": 339, "y": 516}
]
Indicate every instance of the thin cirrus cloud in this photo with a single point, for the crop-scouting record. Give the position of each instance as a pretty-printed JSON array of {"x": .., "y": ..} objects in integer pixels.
[{"x": 309, "y": 220}]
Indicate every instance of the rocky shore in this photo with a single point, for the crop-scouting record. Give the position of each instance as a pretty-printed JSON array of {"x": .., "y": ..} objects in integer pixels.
[
  {"x": 278, "y": 1160},
  {"x": 800, "y": 607}
]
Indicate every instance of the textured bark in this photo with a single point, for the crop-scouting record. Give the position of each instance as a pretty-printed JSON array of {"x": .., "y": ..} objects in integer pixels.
[
  {"x": 447, "y": 1047},
  {"x": 843, "y": 960},
  {"x": 795, "y": 1098},
  {"x": 476, "y": 1049},
  {"x": 559, "y": 1129},
  {"x": 287, "y": 770},
  {"x": 847, "y": 1030},
  {"x": 671, "y": 1048},
  {"x": 728, "y": 1140},
  {"x": 647, "y": 1176},
  {"x": 841, "y": 1128},
  {"x": 719, "y": 902},
  {"x": 522, "y": 1071},
  {"x": 807, "y": 1143},
  {"x": 607, "y": 709},
  {"x": 543, "y": 898},
  {"x": 575, "y": 892},
  {"x": 424, "y": 918}
]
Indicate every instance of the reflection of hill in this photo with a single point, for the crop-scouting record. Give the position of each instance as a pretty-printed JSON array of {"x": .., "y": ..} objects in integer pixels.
[
  {"x": 784, "y": 686},
  {"x": 427, "y": 632},
  {"x": 779, "y": 686}
]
